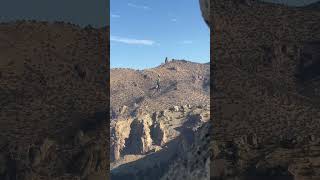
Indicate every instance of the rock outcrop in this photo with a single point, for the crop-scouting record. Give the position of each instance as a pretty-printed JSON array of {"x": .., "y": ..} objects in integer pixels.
[
  {"x": 120, "y": 132},
  {"x": 155, "y": 143},
  {"x": 159, "y": 133},
  {"x": 136, "y": 136},
  {"x": 193, "y": 161},
  {"x": 139, "y": 140}
]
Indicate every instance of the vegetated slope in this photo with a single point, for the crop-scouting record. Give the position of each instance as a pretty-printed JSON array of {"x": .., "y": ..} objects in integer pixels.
[
  {"x": 53, "y": 118},
  {"x": 182, "y": 82}
]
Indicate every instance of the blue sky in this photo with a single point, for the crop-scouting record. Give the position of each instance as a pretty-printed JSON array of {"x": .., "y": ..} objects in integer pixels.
[{"x": 144, "y": 32}]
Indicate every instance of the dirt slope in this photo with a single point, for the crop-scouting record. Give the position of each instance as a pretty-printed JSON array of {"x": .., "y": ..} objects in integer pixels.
[{"x": 182, "y": 82}]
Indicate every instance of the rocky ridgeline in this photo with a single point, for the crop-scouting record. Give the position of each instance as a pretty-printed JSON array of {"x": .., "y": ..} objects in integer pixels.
[{"x": 146, "y": 141}]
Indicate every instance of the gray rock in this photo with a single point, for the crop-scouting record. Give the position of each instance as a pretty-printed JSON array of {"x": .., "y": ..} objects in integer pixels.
[
  {"x": 205, "y": 10},
  {"x": 175, "y": 108},
  {"x": 159, "y": 134}
]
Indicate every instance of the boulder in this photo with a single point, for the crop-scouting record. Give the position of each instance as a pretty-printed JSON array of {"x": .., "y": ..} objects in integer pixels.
[
  {"x": 176, "y": 108},
  {"x": 184, "y": 108},
  {"x": 123, "y": 109}
]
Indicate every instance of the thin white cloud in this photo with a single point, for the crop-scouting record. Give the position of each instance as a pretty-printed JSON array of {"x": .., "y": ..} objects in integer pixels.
[
  {"x": 115, "y": 16},
  {"x": 132, "y": 41},
  {"x": 186, "y": 42},
  {"x": 174, "y": 20},
  {"x": 139, "y": 6}
]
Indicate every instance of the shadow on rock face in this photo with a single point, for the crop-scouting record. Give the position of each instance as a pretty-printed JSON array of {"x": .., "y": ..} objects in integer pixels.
[{"x": 275, "y": 173}]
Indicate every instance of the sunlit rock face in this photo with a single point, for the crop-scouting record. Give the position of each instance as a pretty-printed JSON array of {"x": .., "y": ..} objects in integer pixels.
[{"x": 205, "y": 10}]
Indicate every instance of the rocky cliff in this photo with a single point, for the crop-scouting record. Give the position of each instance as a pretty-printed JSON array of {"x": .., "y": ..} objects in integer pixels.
[
  {"x": 151, "y": 131},
  {"x": 150, "y": 146},
  {"x": 266, "y": 106},
  {"x": 53, "y": 113}
]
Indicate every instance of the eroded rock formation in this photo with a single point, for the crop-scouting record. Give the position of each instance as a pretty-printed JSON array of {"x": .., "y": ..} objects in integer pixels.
[
  {"x": 155, "y": 143},
  {"x": 119, "y": 133},
  {"x": 159, "y": 133},
  {"x": 139, "y": 141}
]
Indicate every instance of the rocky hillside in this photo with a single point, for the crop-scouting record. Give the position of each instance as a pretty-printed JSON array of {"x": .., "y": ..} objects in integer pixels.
[
  {"x": 53, "y": 101},
  {"x": 150, "y": 131},
  {"x": 182, "y": 82},
  {"x": 266, "y": 109},
  {"x": 150, "y": 146}
]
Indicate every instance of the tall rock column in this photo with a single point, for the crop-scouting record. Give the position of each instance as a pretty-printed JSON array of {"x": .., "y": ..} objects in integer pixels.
[
  {"x": 120, "y": 132},
  {"x": 140, "y": 139},
  {"x": 159, "y": 133}
]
